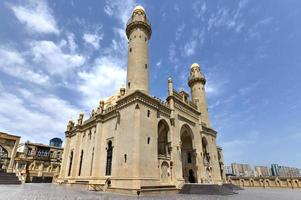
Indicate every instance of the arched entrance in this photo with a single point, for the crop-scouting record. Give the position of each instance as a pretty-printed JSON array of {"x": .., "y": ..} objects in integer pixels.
[
  {"x": 163, "y": 130},
  {"x": 163, "y": 151},
  {"x": 189, "y": 169}
]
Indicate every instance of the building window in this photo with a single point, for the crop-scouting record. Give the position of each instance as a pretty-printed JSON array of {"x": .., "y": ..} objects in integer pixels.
[
  {"x": 125, "y": 158},
  {"x": 29, "y": 151},
  {"x": 129, "y": 84},
  {"x": 148, "y": 140},
  {"x": 70, "y": 163},
  {"x": 109, "y": 158},
  {"x": 130, "y": 49},
  {"x": 145, "y": 66},
  {"x": 80, "y": 163},
  {"x": 148, "y": 113}
]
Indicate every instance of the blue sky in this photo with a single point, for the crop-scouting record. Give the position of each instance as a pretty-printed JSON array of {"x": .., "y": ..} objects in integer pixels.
[{"x": 58, "y": 58}]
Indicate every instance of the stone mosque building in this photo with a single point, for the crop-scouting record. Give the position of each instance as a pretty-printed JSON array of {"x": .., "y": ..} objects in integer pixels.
[{"x": 135, "y": 142}]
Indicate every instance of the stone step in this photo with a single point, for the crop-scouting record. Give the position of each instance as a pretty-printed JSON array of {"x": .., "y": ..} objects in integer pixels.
[
  {"x": 232, "y": 186},
  {"x": 10, "y": 182},
  {"x": 8, "y": 179},
  {"x": 158, "y": 190},
  {"x": 7, "y": 174},
  {"x": 158, "y": 186},
  {"x": 206, "y": 189}
]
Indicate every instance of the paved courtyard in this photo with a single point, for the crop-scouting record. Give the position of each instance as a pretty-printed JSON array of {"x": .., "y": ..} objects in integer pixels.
[{"x": 62, "y": 192}]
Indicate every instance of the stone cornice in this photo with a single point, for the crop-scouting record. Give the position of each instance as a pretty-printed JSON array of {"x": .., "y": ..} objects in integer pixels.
[
  {"x": 8, "y": 136},
  {"x": 186, "y": 108},
  {"x": 112, "y": 112},
  {"x": 145, "y": 99},
  {"x": 180, "y": 117},
  {"x": 208, "y": 131}
]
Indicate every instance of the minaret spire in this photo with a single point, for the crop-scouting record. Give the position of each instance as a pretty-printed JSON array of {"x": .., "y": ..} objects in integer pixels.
[
  {"x": 197, "y": 83},
  {"x": 138, "y": 31}
]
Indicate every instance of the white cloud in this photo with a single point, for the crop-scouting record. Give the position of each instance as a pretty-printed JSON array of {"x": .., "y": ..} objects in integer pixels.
[
  {"x": 71, "y": 42},
  {"x": 172, "y": 53},
  {"x": 37, "y": 17},
  {"x": 176, "y": 8},
  {"x": 93, "y": 39},
  {"x": 230, "y": 19},
  {"x": 235, "y": 149},
  {"x": 106, "y": 77},
  {"x": 14, "y": 64},
  {"x": 190, "y": 47},
  {"x": 196, "y": 39},
  {"x": 35, "y": 117},
  {"x": 120, "y": 9},
  {"x": 159, "y": 63},
  {"x": 249, "y": 88},
  {"x": 52, "y": 57},
  {"x": 266, "y": 21},
  {"x": 179, "y": 31},
  {"x": 199, "y": 8}
]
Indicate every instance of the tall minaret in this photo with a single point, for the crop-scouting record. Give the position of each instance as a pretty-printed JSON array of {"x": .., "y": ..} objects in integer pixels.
[
  {"x": 138, "y": 31},
  {"x": 197, "y": 83}
]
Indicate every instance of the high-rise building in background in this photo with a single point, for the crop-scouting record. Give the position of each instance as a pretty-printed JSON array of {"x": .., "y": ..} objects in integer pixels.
[
  {"x": 56, "y": 142},
  {"x": 262, "y": 171},
  {"x": 242, "y": 169},
  {"x": 275, "y": 169},
  {"x": 245, "y": 170}
]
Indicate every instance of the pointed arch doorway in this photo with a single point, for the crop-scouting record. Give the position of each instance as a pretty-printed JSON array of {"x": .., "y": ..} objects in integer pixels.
[{"x": 189, "y": 168}]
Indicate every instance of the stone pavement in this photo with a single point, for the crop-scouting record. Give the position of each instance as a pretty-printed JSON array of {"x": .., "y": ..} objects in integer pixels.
[{"x": 63, "y": 192}]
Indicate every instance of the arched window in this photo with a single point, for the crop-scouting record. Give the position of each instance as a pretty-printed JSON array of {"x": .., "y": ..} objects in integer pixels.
[
  {"x": 162, "y": 138},
  {"x": 80, "y": 163},
  {"x": 206, "y": 155},
  {"x": 70, "y": 163},
  {"x": 109, "y": 158}
]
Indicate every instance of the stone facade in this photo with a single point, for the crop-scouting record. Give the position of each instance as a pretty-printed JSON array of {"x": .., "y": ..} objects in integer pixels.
[
  {"x": 8, "y": 149},
  {"x": 134, "y": 140},
  {"x": 37, "y": 162}
]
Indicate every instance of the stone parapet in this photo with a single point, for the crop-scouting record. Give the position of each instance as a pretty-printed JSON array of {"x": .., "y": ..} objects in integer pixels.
[{"x": 266, "y": 182}]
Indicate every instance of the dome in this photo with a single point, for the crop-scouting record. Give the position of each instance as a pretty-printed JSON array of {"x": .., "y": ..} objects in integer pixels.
[
  {"x": 195, "y": 65},
  {"x": 139, "y": 8}
]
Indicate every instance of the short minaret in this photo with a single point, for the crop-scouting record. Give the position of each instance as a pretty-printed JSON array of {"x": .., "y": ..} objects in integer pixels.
[
  {"x": 138, "y": 31},
  {"x": 197, "y": 83}
]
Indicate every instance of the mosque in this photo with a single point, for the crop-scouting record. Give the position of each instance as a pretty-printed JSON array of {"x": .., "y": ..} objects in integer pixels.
[{"x": 134, "y": 142}]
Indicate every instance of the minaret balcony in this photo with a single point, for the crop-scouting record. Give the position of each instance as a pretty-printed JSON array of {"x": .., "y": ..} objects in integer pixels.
[{"x": 133, "y": 23}]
